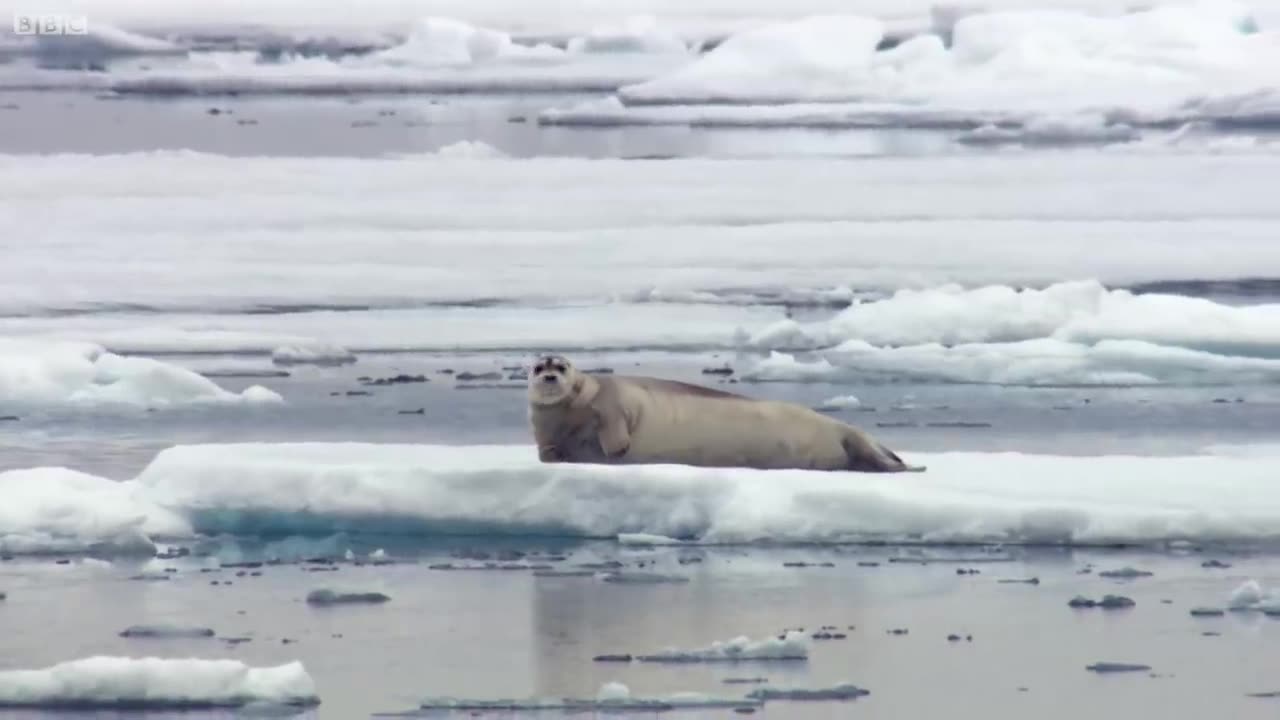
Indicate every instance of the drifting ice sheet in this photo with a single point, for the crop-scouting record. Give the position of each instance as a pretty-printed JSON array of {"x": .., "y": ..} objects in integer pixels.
[
  {"x": 38, "y": 373},
  {"x": 54, "y": 510},
  {"x": 1167, "y": 64},
  {"x": 324, "y": 488},
  {"x": 793, "y": 646},
  {"x": 115, "y": 682}
]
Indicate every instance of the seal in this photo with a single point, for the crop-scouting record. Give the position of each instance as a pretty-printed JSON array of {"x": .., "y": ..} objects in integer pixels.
[{"x": 580, "y": 417}]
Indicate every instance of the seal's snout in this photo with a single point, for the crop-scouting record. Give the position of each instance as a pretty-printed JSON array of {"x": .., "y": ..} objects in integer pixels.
[{"x": 549, "y": 378}]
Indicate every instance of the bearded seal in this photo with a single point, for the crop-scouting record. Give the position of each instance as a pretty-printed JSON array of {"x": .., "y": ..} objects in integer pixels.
[{"x": 580, "y": 417}]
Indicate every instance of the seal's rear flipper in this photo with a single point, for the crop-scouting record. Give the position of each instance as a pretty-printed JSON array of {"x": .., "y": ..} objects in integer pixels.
[{"x": 915, "y": 468}]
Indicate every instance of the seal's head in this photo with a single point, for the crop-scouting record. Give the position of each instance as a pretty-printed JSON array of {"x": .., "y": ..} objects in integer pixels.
[{"x": 553, "y": 380}]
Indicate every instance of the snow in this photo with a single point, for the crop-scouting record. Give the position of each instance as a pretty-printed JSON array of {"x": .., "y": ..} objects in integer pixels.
[
  {"x": 1041, "y": 362},
  {"x": 1073, "y": 311},
  {"x": 429, "y": 229},
  {"x": 1065, "y": 334},
  {"x": 102, "y": 42},
  {"x": 969, "y": 496},
  {"x": 1248, "y": 595},
  {"x": 633, "y": 34},
  {"x": 1167, "y": 63},
  {"x": 612, "y": 697},
  {"x": 840, "y": 402},
  {"x": 104, "y": 682},
  {"x": 318, "y": 354},
  {"x": 42, "y": 374},
  {"x": 57, "y": 510},
  {"x": 792, "y": 646},
  {"x": 814, "y": 52}
]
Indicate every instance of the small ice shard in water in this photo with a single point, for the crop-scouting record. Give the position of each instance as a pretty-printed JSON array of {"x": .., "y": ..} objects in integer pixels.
[
  {"x": 839, "y": 402},
  {"x": 1114, "y": 667},
  {"x": 643, "y": 539},
  {"x": 843, "y": 691},
  {"x": 791, "y": 646},
  {"x": 1125, "y": 573},
  {"x": 326, "y": 596},
  {"x": 612, "y": 696},
  {"x": 1248, "y": 595},
  {"x": 1108, "y": 602},
  {"x": 1215, "y": 564},
  {"x": 378, "y": 554},
  {"x": 1207, "y": 612},
  {"x": 642, "y": 578},
  {"x": 166, "y": 631},
  {"x": 312, "y": 354}
]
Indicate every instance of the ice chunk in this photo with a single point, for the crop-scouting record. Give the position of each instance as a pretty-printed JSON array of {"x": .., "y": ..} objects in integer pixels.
[
  {"x": 965, "y": 496},
  {"x": 470, "y": 149},
  {"x": 37, "y": 373},
  {"x": 1021, "y": 67},
  {"x": 611, "y": 697},
  {"x": 807, "y": 57},
  {"x": 316, "y": 354},
  {"x": 1249, "y": 594},
  {"x": 57, "y": 510},
  {"x": 103, "y": 682},
  {"x": 166, "y": 631},
  {"x": 840, "y": 402},
  {"x": 790, "y": 646},
  {"x": 634, "y": 34},
  {"x": 643, "y": 539},
  {"x": 843, "y": 691},
  {"x": 326, "y": 596},
  {"x": 1044, "y": 362}
]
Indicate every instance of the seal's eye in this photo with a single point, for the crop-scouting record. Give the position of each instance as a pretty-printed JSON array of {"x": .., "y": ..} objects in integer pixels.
[
  {"x": 560, "y": 367},
  {"x": 538, "y": 368}
]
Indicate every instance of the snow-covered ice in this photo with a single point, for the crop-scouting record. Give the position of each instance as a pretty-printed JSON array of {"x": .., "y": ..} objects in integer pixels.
[
  {"x": 104, "y": 682},
  {"x": 612, "y": 697},
  {"x": 318, "y": 354},
  {"x": 793, "y": 645},
  {"x": 971, "y": 496},
  {"x": 426, "y": 228},
  {"x": 1173, "y": 62},
  {"x": 56, "y": 510},
  {"x": 42, "y": 374}
]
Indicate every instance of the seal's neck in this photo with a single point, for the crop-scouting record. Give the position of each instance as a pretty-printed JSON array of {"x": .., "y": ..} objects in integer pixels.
[{"x": 585, "y": 389}]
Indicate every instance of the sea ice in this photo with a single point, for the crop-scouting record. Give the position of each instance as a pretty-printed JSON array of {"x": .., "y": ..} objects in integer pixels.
[
  {"x": 792, "y": 646},
  {"x": 970, "y": 496},
  {"x": 319, "y": 354},
  {"x": 166, "y": 631},
  {"x": 57, "y": 510},
  {"x": 41, "y": 373},
  {"x": 1035, "y": 68},
  {"x": 109, "y": 682}
]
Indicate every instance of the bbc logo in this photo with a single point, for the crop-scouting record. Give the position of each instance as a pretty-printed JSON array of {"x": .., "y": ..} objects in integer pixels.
[{"x": 50, "y": 24}]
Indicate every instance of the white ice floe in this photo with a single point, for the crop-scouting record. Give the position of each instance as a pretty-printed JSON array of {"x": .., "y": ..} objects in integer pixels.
[
  {"x": 313, "y": 354},
  {"x": 840, "y": 402},
  {"x": 470, "y": 149},
  {"x": 1169, "y": 63},
  {"x": 1250, "y": 595},
  {"x": 800, "y": 58},
  {"x": 1066, "y": 334},
  {"x": 104, "y": 682},
  {"x": 633, "y": 34},
  {"x": 612, "y": 697},
  {"x": 429, "y": 230},
  {"x": 55, "y": 510},
  {"x": 43, "y": 374},
  {"x": 970, "y": 496},
  {"x": 793, "y": 645},
  {"x": 1044, "y": 362}
]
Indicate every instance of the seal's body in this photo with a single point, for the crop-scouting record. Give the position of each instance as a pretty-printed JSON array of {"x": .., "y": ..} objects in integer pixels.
[{"x": 582, "y": 418}]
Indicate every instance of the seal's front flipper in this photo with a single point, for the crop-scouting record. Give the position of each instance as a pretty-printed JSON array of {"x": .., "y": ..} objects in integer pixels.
[{"x": 615, "y": 439}]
